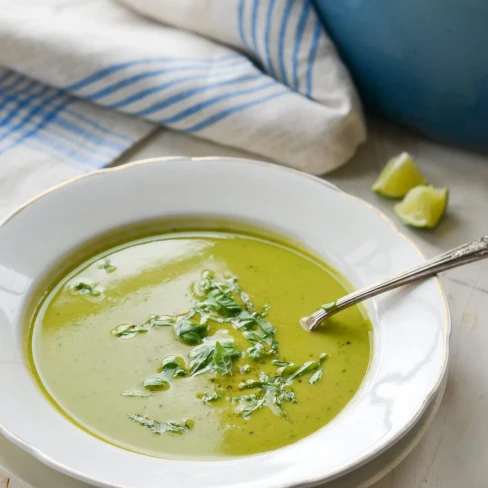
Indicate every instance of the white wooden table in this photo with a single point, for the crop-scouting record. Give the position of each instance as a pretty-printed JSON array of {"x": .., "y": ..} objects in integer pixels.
[{"x": 454, "y": 452}]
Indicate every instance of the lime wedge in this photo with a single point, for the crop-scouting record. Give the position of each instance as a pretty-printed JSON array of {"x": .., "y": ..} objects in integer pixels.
[
  {"x": 423, "y": 206},
  {"x": 398, "y": 177}
]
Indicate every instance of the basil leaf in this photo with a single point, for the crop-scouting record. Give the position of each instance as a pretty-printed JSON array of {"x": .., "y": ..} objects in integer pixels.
[
  {"x": 273, "y": 391},
  {"x": 190, "y": 332},
  {"x": 315, "y": 377},
  {"x": 128, "y": 331},
  {"x": 155, "y": 383},
  {"x": 171, "y": 427},
  {"x": 246, "y": 300},
  {"x": 222, "y": 359},
  {"x": 285, "y": 368},
  {"x": 218, "y": 297},
  {"x": 245, "y": 320},
  {"x": 245, "y": 369},
  {"x": 256, "y": 352},
  {"x": 85, "y": 289},
  {"x": 107, "y": 266},
  {"x": 231, "y": 349},
  {"x": 210, "y": 397},
  {"x": 288, "y": 395},
  {"x": 281, "y": 364},
  {"x": 174, "y": 364},
  {"x": 200, "y": 359},
  {"x": 249, "y": 320},
  {"x": 308, "y": 367},
  {"x": 250, "y": 404},
  {"x": 216, "y": 357},
  {"x": 221, "y": 303},
  {"x": 160, "y": 321},
  {"x": 328, "y": 307}
]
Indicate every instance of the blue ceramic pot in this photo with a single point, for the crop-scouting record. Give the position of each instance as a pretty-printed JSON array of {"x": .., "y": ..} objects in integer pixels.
[{"x": 423, "y": 63}]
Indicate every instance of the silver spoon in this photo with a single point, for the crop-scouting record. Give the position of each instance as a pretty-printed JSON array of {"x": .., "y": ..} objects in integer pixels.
[{"x": 464, "y": 254}]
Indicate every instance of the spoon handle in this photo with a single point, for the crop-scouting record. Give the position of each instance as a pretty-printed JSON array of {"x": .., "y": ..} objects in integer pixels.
[{"x": 467, "y": 253}]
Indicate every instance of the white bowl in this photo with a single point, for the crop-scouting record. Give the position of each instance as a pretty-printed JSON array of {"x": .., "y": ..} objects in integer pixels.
[{"x": 411, "y": 326}]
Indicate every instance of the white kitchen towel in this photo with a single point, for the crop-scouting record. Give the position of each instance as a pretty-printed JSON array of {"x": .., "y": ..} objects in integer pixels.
[{"x": 82, "y": 80}]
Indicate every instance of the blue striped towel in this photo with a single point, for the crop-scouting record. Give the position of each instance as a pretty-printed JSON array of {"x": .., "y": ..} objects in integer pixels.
[{"x": 80, "y": 82}]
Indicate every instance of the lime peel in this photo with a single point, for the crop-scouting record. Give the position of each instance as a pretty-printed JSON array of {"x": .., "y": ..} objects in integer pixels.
[{"x": 398, "y": 177}]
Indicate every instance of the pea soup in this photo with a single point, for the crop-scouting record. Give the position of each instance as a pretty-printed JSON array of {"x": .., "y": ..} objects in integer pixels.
[{"x": 187, "y": 344}]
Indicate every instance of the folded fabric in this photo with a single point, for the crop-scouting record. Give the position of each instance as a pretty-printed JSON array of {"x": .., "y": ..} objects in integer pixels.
[{"x": 256, "y": 75}]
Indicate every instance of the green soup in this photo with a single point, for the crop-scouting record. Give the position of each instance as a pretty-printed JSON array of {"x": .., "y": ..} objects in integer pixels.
[{"x": 188, "y": 344}]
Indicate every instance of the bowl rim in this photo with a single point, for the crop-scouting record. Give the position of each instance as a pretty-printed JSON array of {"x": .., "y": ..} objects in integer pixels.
[{"x": 354, "y": 462}]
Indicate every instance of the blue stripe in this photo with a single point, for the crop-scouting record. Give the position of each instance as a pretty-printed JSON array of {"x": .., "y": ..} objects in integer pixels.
[
  {"x": 40, "y": 124},
  {"x": 225, "y": 113},
  {"x": 59, "y": 146},
  {"x": 23, "y": 84},
  {"x": 94, "y": 149},
  {"x": 6, "y": 75},
  {"x": 154, "y": 89},
  {"x": 100, "y": 142},
  {"x": 65, "y": 124},
  {"x": 19, "y": 105},
  {"x": 311, "y": 55},
  {"x": 302, "y": 22},
  {"x": 49, "y": 95},
  {"x": 240, "y": 20},
  {"x": 47, "y": 151},
  {"x": 40, "y": 99},
  {"x": 14, "y": 83},
  {"x": 200, "y": 106},
  {"x": 254, "y": 23},
  {"x": 188, "y": 93},
  {"x": 267, "y": 36},
  {"x": 50, "y": 146},
  {"x": 117, "y": 67},
  {"x": 100, "y": 128},
  {"x": 141, "y": 76},
  {"x": 33, "y": 134},
  {"x": 281, "y": 40},
  {"x": 17, "y": 84}
]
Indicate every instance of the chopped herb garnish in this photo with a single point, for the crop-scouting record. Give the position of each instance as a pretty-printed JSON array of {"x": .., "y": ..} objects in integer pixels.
[
  {"x": 315, "y": 377},
  {"x": 216, "y": 357},
  {"x": 281, "y": 364},
  {"x": 247, "y": 404},
  {"x": 135, "y": 393},
  {"x": 308, "y": 367},
  {"x": 225, "y": 304},
  {"x": 328, "y": 307},
  {"x": 85, "y": 289},
  {"x": 285, "y": 368},
  {"x": 189, "y": 331},
  {"x": 245, "y": 369},
  {"x": 107, "y": 266},
  {"x": 155, "y": 383},
  {"x": 222, "y": 359},
  {"x": 127, "y": 331},
  {"x": 273, "y": 392},
  {"x": 174, "y": 364},
  {"x": 210, "y": 397},
  {"x": 173, "y": 428},
  {"x": 219, "y": 297}
]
